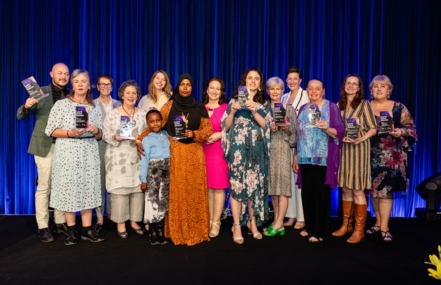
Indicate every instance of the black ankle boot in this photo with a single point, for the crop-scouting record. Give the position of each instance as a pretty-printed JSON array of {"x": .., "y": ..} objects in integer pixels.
[
  {"x": 160, "y": 233},
  {"x": 90, "y": 235},
  {"x": 70, "y": 239},
  {"x": 153, "y": 238}
]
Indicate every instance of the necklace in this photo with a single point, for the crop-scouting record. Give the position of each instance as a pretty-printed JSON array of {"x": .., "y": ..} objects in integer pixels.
[
  {"x": 185, "y": 118},
  {"x": 133, "y": 122},
  {"x": 212, "y": 106}
]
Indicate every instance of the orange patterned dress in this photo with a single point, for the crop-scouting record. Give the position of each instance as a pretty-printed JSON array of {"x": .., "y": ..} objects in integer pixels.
[{"x": 187, "y": 220}]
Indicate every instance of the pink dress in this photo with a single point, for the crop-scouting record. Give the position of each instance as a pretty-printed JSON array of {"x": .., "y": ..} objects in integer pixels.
[{"x": 217, "y": 168}]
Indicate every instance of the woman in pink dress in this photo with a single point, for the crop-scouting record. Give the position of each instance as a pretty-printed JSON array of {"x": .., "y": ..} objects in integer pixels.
[{"x": 217, "y": 169}]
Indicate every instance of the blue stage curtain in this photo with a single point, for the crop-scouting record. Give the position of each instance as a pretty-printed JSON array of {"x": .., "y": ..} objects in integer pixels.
[{"x": 132, "y": 39}]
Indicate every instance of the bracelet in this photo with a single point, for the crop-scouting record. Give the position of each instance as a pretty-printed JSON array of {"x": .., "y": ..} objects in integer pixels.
[
  {"x": 67, "y": 133},
  {"x": 137, "y": 141}
]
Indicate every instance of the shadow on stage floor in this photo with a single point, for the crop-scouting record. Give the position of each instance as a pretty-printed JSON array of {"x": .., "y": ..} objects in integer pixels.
[{"x": 288, "y": 259}]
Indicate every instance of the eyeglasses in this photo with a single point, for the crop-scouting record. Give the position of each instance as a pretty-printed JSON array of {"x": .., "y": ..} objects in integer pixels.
[
  {"x": 106, "y": 85},
  {"x": 351, "y": 83}
]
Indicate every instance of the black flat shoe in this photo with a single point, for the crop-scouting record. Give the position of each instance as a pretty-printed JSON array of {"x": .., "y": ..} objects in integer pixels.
[
  {"x": 90, "y": 235},
  {"x": 97, "y": 227},
  {"x": 61, "y": 229},
  {"x": 159, "y": 229},
  {"x": 153, "y": 238},
  {"x": 122, "y": 234},
  {"x": 45, "y": 235},
  {"x": 70, "y": 240},
  {"x": 138, "y": 231}
]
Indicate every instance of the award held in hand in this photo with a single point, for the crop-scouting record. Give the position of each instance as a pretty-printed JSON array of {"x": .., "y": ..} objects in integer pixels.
[
  {"x": 243, "y": 96},
  {"x": 180, "y": 127},
  {"x": 314, "y": 115},
  {"x": 82, "y": 117},
  {"x": 353, "y": 128},
  {"x": 386, "y": 123},
  {"x": 33, "y": 88},
  {"x": 280, "y": 114},
  {"x": 125, "y": 131}
]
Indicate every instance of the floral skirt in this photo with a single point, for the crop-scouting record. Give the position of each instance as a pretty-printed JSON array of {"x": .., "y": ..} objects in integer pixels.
[{"x": 158, "y": 186}]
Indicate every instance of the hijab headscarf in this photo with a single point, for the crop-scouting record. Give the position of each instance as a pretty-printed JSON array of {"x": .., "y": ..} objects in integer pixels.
[{"x": 185, "y": 106}]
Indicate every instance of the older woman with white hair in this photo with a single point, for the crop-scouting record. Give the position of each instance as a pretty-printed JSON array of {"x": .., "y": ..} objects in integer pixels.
[{"x": 282, "y": 139}]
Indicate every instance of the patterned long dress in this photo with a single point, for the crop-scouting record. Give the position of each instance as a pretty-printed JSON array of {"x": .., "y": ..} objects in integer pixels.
[
  {"x": 76, "y": 178},
  {"x": 389, "y": 156},
  {"x": 246, "y": 146},
  {"x": 280, "y": 165},
  {"x": 355, "y": 169}
]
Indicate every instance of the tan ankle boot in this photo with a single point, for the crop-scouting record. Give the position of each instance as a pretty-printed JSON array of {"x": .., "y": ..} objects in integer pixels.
[
  {"x": 347, "y": 219},
  {"x": 360, "y": 221}
]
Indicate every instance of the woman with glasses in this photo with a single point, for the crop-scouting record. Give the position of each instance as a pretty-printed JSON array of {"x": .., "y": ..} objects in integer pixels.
[
  {"x": 106, "y": 104},
  {"x": 159, "y": 92},
  {"x": 355, "y": 171}
]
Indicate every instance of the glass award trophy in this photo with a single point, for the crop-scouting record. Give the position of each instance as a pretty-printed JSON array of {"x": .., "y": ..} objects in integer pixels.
[
  {"x": 33, "y": 88},
  {"x": 243, "y": 96},
  {"x": 180, "y": 127},
  {"x": 314, "y": 115},
  {"x": 386, "y": 123},
  {"x": 280, "y": 114},
  {"x": 82, "y": 117},
  {"x": 353, "y": 128},
  {"x": 125, "y": 131}
]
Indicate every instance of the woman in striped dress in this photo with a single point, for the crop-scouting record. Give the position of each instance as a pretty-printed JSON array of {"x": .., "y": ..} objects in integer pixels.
[{"x": 355, "y": 172}]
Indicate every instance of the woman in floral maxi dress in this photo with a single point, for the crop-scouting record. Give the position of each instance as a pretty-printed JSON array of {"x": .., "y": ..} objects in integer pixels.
[
  {"x": 388, "y": 154},
  {"x": 246, "y": 143}
]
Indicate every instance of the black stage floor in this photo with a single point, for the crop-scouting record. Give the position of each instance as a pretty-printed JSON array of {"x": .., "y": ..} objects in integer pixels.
[{"x": 289, "y": 259}]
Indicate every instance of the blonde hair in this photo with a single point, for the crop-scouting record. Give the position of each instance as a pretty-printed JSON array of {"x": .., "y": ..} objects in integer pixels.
[
  {"x": 275, "y": 81},
  {"x": 167, "y": 87},
  {"x": 382, "y": 78}
]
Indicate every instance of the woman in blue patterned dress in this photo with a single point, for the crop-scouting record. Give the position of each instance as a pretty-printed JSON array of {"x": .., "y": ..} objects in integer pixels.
[
  {"x": 388, "y": 154},
  {"x": 246, "y": 143}
]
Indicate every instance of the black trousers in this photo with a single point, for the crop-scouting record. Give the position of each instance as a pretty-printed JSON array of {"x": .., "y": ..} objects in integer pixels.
[{"x": 316, "y": 198}]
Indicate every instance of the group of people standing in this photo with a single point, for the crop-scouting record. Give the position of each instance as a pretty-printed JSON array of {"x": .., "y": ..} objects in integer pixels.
[{"x": 176, "y": 184}]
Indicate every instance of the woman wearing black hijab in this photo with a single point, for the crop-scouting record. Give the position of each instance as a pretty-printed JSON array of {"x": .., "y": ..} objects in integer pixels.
[{"x": 187, "y": 219}]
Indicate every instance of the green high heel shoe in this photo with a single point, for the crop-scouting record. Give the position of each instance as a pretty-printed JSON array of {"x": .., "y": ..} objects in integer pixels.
[{"x": 270, "y": 231}]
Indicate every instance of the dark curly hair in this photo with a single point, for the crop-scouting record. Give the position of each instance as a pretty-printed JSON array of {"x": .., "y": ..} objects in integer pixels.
[
  {"x": 126, "y": 84},
  {"x": 343, "y": 101},
  {"x": 152, "y": 110},
  {"x": 222, "y": 98},
  {"x": 261, "y": 91}
]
